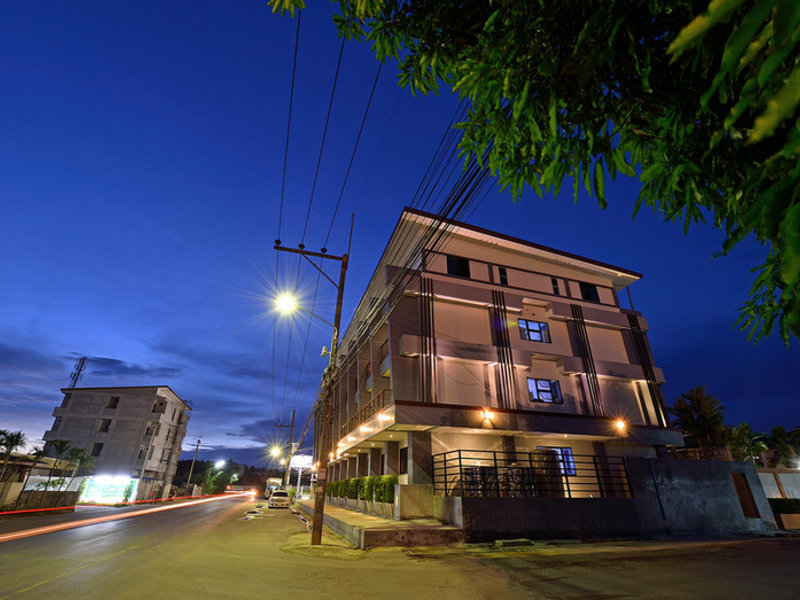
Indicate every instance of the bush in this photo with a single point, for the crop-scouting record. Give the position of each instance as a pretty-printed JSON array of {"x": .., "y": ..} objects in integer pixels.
[
  {"x": 785, "y": 506},
  {"x": 384, "y": 488},
  {"x": 352, "y": 488},
  {"x": 369, "y": 486},
  {"x": 292, "y": 494}
]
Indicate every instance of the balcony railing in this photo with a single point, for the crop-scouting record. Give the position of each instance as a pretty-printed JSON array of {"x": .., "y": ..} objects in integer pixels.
[
  {"x": 366, "y": 412},
  {"x": 541, "y": 473}
]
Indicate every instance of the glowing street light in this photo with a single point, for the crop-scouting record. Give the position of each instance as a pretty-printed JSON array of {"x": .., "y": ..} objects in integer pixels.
[
  {"x": 275, "y": 451},
  {"x": 286, "y": 304},
  {"x": 219, "y": 464}
]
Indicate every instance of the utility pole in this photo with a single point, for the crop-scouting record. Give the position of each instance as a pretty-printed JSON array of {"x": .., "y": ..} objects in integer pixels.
[
  {"x": 328, "y": 378},
  {"x": 291, "y": 449},
  {"x": 191, "y": 469}
]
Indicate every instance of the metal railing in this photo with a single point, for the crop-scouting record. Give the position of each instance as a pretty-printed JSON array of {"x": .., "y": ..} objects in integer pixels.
[
  {"x": 366, "y": 412},
  {"x": 541, "y": 473}
]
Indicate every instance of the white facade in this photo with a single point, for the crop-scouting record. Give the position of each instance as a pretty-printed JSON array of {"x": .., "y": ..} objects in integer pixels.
[{"x": 132, "y": 431}]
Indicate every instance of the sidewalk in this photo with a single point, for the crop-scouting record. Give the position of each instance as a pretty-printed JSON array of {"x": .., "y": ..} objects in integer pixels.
[{"x": 371, "y": 531}]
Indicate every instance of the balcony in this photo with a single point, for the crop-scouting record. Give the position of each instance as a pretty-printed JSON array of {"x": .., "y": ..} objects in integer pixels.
[
  {"x": 366, "y": 412},
  {"x": 541, "y": 473}
]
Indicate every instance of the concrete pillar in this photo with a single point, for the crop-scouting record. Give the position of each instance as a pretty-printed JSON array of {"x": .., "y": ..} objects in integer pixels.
[
  {"x": 420, "y": 464},
  {"x": 391, "y": 458},
  {"x": 363, "y": 459},
  {"x": 351, "y": 466},
  {"x": 374, "y": 461},
  {"x": 509, "y": 450}
]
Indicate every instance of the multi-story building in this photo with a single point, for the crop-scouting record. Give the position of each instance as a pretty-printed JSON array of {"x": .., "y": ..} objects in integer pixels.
[
  {"x": 129, "y": 431},
  {"x": 480, "y": 365}
]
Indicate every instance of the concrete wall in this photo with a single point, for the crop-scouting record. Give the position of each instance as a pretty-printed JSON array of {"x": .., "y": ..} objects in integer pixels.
[{"x": 670, "y": 497}]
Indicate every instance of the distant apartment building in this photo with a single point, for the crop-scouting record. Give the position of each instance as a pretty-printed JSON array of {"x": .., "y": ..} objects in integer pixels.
[
  {"x": 480, "y": 366},
  {"x": 129, "y": 431}
]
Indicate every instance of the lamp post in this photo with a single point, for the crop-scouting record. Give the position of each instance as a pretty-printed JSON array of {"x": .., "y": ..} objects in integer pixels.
[{"x": 323, "y": 412}]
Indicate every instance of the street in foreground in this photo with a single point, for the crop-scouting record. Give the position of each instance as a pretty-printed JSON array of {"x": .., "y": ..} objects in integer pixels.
[{"x": 209, "y": 551}]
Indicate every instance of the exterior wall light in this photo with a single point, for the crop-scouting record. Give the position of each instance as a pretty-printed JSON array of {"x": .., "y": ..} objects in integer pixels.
[
  {"x": 620, "y": 425},
  {"x": 487, "y": 414},
  {"x": 382, "y": 417},
  {"x": 364, "y": 429}
]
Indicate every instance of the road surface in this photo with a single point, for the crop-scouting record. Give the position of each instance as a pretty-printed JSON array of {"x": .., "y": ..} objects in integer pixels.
[{"x": 209, "y": 551}]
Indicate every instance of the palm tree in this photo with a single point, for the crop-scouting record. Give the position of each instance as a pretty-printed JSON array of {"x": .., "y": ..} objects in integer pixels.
[
  {"x": 79, "y": 460},
  {"x": 35, "y": 455},
  {"x": 9, "y": 441},
  {"x": 58, "y": 450},
  {"x": 784, "y": 444},
  {"x": 700, "y": 415},
  {"x": 744, "y": 444}
]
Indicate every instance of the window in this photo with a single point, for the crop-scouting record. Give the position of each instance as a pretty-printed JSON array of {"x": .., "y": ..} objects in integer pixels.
[
  {"x": 142, "y": 450},
  {"x": 503, "y": 276},
  {"x": 113, "y": 402},
  {"x": 458, "y": 266},
  {"x": 543, "y": 390},
  {"x": 104, "y": 425},
  {"x": 554, "y": 281},
  {"x": 96, "y": 449},
  {"x": 589, "y": 292},
  {"x": 534, "y": 331},
  {"x": 152, "y": 429},
  {"x": 65, "y": 402},
  {"x": 403, "y": 466},
  {"x": 565, "y": 458},
  {"x": 56, "y": 424},
  {"x": 160, "y": 406}
]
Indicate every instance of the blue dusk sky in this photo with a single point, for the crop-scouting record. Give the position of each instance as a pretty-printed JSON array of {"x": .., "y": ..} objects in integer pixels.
[{"x": 141, "y": 163}]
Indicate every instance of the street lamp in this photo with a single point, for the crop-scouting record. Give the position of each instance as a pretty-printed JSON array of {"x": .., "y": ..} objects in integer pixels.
[
  {"x": 219, "y": 464},
  {"x": 324, "y": 406}
]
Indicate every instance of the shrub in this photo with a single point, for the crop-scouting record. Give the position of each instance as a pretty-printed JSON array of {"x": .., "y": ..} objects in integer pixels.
[
  {"x": 330, "y": 489},
  {"x": 352, "y": 488},
  {"x": 292, "y": 494},
  {"x": 384, "y": 491},
  {"x": 785, "y": 506}
]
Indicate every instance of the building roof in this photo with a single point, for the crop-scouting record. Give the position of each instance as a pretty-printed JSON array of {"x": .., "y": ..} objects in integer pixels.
[
  {"x": 533, "y": 245},
  {"x": 127, "y": 387}
]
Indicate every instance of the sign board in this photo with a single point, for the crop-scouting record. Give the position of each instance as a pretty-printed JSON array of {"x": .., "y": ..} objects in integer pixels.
[
  {"x": 105, "y": 489},
  {"x": 302, "y": 461}
]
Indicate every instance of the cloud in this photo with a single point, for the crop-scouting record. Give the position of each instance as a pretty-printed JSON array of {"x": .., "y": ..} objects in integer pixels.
[{"x": 111, "y": 367}]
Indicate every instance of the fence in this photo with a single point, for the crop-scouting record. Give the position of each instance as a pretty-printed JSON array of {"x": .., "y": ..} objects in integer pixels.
[
  {"x": 555, "y": 473},
  {"x": 367, "y": 411}
]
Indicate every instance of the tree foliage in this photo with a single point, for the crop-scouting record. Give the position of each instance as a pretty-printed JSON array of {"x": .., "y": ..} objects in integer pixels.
[
  {"x": 745, "y": 445},
  {"x": 696, "y": 99},
  {"x": 700, "y": 415}
]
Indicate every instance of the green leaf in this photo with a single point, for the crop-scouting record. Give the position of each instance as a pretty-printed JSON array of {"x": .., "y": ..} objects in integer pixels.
[
  {"x": 691, "y": 34},
  {"x": 737, "y": 43},
  {"x": 780, "y": 107},
  {"x": 599, "y": 184}
]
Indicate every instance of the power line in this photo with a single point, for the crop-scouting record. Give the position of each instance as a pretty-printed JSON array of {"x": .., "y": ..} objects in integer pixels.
[
  {"x": 289, "y": 121},
  {"x": 324, "y": 135},
  {"x": 355, "y": 148}
]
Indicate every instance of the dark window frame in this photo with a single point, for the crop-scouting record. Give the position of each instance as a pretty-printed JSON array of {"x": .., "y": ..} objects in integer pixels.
[
  {"x": 112, "y": 402},
  {"x": 503, "y": 274},
  {"x": 565, "y": 458},
  {"x": 403, "y": 460},
  {"x": 554, "y": 281},
  {"x": 541, "y": 388},
  {"x": 529, "y": 329},
  {"x": 589, "y": 292},
  {"x": 458, "y": 266},
  {"x": 97, "y": 448},
  {"x": 104, "y": 425}
]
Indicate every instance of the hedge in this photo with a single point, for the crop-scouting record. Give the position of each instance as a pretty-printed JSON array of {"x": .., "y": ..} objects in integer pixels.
[
  {"x": 785, "y": 506},
  {"x": 381, "y": 489}
]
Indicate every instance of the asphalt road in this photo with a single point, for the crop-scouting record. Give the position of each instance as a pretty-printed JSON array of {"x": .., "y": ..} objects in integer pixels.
[{"x": 209, "y": 551}]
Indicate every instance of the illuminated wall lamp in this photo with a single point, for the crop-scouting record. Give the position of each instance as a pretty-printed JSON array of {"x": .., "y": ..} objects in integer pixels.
[
  {"x": 620, "y": 425},
  {"x": 383, "y": 418},
  {"x": 364, "y": 429},
  {"x": 487, "y": 414}
]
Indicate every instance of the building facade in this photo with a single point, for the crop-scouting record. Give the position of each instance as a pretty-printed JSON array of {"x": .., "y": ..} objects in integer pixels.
[
  {"x": 135, "y": 432},
  {"x": 479, "y": 366}
]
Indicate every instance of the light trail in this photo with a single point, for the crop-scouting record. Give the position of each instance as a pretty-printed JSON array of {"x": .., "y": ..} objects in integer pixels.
[{"x": 16, "y": 535}]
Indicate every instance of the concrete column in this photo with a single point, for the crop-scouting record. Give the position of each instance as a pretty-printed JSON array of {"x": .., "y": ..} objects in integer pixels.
[
  {"x": 420, "y": 466},
  {"x": 509, "y": 449},
  {"x": 363, "y": 459},
  {"x": 374, "y": 461},
  {"x": 352, "y": 464},
  {"x": 391, "y": 458}
]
